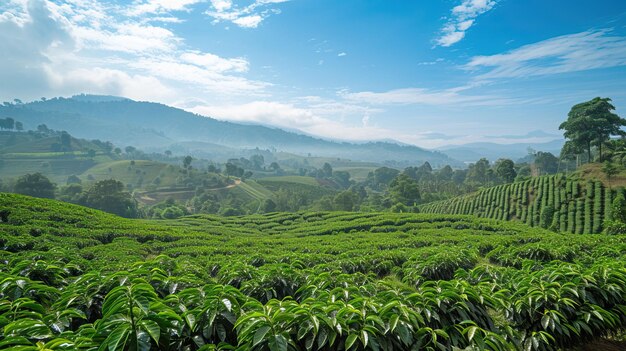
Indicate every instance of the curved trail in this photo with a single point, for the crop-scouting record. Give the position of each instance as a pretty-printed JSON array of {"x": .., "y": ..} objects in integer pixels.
[{"x": 229, "y": 186}]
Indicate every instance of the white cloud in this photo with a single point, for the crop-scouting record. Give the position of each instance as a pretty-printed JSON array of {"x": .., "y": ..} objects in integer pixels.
[
  {"x": 108, "y": 81},
  {"x": 28, "y": 41},
  {"x": 419, "y": 96},
  {"x": 291, "y": 116},
  {"x": 142, "y": 7},
  {"x": 203, "y": 79},
  {"x": 215, "y": 63},
  {"x": 128, "y": 37},
  {"x": 248, "y": 21},
  {"x": 568, "y": 53},
  {"x": 75, "y": 46},
  {"x": 463, "y": 17},
  {"x": 222, "y": 5},
  {"x": 342, "y": 54},
  {"x": 249, "y": 16}
]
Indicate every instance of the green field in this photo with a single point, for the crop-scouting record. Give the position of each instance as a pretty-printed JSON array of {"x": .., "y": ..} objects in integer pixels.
[
  {"x": 310, "y": 181},
  {"x": 78, "y": 279},
  {"x": 25, "y": 152},
  {"x": 128, "y": 173}
]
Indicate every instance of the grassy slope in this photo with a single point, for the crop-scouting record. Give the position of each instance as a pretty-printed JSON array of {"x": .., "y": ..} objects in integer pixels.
[
  {"x": 130, "y": 174},
  {"x": 291, "y": 179},
  {"x": 29, "y": 154},
  {"x": 593, "y": 171}
]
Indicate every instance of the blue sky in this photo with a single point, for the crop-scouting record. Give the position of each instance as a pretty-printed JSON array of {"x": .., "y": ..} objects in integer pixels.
[{"x": 430, "y": 73}]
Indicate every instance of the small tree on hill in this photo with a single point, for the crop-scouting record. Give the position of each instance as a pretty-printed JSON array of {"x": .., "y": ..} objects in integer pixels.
[
  {"x": 505, "y": 169},
  {"x": 546, "y": 163},
  {"x": 405, "y": 190},
  {"x": 109, "y": 195},
  {"x": 7, "y": 123},
  {"x": 187, "y": 162},
  {"x": 36, "y": 185}
]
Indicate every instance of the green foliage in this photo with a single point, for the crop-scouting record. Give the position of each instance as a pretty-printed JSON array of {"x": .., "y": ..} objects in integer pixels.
[
  {"x": 505, "y": 169},
  {"x": 618, "y": 210},
  {"x": 73, "y": 278},
  {"x": 110, "y": 196},
  {"x": 403, "y": 189},
  {"x": 547, "y": 214},
  {"x": 36, "y": 185},
  {"x": 548, "y": 202},
  {"x": 591, "y": 122}
]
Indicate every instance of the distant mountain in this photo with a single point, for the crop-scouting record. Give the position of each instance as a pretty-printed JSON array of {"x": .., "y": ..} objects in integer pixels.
[
  {"x": 153, "y": 126},
  {"x": 492, "y": 151},
  {"x": 529, "y": 135}
]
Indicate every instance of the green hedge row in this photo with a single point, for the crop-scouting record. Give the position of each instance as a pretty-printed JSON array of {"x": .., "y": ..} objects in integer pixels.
[{"x": 552, "y": 202}]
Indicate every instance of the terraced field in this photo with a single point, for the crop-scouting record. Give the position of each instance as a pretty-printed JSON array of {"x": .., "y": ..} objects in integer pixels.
[
  {"x": 549, "y": 202},
  {"x": 72, "y": 278}
]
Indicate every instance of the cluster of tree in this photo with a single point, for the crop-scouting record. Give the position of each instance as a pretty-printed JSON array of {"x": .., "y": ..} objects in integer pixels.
[
  {"x": 106, "y": 195},
  {"x": 9, "y": 123},
  {"x": 168, "y": 209}
]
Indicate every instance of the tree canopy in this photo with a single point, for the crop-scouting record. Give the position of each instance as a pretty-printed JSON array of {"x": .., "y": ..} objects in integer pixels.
[
  {"x": 36, "y": 185},
  {"x": 109, "y": 195},
  {"x": 591, "y": 123}
]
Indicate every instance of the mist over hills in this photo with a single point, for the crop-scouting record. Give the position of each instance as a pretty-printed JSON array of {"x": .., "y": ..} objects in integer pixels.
[
  {"x": 154, "y": 126},
  {"x": 493, "y": 151}
]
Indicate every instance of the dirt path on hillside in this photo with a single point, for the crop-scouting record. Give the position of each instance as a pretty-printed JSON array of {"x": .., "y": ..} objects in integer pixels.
[
  {"x": 147, "y": 198},
  {"x": 229, "y": 186}
]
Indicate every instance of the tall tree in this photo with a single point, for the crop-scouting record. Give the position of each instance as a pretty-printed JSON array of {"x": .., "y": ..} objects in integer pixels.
[
  {"x": 327, "y": 170},
  {"x": 546, "y": 162},
  {"x": 505, "y": 169},
  {"x": 477, "y": 172},
  {"x": 187, "y": 162},
  {"x": 592, "y": 123},
  {"x": 404, "y": 189},
  {"x": 66, "y": 141}
]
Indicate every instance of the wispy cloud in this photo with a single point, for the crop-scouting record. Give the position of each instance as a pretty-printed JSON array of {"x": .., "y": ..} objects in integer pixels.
[
  {"x": 462, "y": 18},
  {"x": 249, "y": 16},
  {"x": 420, "y": 96},
  {"x": 535, "y": 134},
  {"x": 142, "y": 7},
  {"x": 568, "y": 53}
]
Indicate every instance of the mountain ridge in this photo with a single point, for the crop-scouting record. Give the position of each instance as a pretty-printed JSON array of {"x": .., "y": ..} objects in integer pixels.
[{"x": 155, "y": 126}]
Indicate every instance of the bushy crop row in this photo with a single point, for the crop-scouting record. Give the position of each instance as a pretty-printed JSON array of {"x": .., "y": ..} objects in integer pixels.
[
  {"x": 76, "y": 279},
  {"x": 551, "y": 202}
]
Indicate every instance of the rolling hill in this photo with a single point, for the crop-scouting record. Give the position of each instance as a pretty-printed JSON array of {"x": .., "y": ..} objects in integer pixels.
[{"x": 155, "y": 126}]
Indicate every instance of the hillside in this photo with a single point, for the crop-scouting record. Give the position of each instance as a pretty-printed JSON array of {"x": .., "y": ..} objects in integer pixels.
[
  {"x": 30, "y": 152},
  {"x": 156, "y": 126},
  {"x": 74, "y": 276},
  {"x": 550, "y": 202}
]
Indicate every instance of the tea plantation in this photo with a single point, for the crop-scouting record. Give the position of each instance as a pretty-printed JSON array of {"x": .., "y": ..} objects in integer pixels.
[
  {"x": 552, "y": 202},
  {"x": 73, "y": 278}
]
